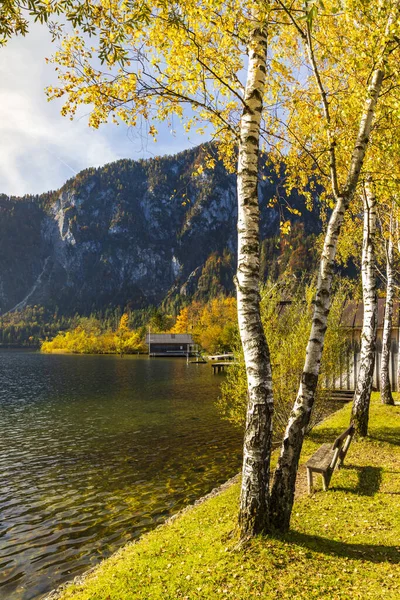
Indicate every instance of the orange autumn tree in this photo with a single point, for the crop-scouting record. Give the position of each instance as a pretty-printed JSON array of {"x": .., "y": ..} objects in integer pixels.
[
  {"x": 213, "y": 325},
  {"x": 217, "y": 329}
]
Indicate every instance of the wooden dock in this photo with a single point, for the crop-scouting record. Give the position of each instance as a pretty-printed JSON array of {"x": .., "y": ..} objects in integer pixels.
[
  {"x": 169, "y": 354},
  {"x": 222, "y": 357},
  {"x": 219, "y": 367}
]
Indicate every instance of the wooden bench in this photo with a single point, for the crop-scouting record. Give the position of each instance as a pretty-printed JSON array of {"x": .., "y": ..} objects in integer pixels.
[{"x": 327, "y": 457}]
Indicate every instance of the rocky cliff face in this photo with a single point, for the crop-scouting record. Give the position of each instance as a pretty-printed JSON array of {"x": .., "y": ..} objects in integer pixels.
[{"x": 128, "y": 233}]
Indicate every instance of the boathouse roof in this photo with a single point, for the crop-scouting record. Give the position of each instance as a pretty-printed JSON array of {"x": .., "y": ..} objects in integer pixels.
[
  {"x": 353, "y": 313},
  {"x": 169, "y": 338}
]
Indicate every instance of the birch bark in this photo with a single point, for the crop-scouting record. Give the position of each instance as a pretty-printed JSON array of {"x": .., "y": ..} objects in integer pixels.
[
  {"x": 398, "y": 333},
  {"x": 254, "y": 500},
  {"x": 386, "y": 390},
  {"x": 360, "y": 411},
  {"x": 282, "y": 494},
  {"x": 398, "y": 362}
]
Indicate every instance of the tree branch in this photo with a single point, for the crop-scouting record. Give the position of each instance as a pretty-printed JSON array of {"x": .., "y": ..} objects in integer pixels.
[{"x": 325, "y": 104}]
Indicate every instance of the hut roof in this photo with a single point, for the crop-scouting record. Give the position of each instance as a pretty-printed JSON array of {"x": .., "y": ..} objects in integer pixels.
[
  {"x": 171, "y": 338},
  {"x": 353, "y": 313}
]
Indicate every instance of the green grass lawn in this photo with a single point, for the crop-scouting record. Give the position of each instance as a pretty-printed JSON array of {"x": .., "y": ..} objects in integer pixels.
[{"x": 343, "y": 544}]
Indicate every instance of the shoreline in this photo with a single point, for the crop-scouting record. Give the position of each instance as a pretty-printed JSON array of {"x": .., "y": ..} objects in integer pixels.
[
  {"x": 57, "y": 592},
  {"x": 301, "y": 490},
  {"x": 329, "y": 552}
]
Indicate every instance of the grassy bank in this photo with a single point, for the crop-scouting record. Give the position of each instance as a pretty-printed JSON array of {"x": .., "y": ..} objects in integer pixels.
[{"x": 343, "y": 544}]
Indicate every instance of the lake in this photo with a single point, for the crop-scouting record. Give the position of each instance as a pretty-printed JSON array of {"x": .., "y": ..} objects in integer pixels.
[{"x": 95, "y": 450}]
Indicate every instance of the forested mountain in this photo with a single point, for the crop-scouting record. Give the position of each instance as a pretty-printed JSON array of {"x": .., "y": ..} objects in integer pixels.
[{"x": 137, "y": 233}]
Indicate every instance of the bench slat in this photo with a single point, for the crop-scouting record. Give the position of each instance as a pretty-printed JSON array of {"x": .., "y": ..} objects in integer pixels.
[
  {"x": 321, "y": 459},
  {"x": 339, "y": 440}
]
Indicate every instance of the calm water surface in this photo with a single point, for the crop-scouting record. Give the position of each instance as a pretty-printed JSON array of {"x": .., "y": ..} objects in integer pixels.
[{"x": 94, "y": 450}]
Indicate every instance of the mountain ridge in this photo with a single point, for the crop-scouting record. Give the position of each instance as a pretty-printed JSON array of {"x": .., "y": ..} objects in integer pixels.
[{"x": 133, "y": 233}]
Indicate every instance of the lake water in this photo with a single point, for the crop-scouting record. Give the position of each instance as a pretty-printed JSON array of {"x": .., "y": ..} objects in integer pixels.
[{"x": 95, "y": 450}]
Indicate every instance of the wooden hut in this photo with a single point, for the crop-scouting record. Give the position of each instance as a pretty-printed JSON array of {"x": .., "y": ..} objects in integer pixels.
[
  {"x": 352, "y": 321},
  {"x": 170, "y": 344}
]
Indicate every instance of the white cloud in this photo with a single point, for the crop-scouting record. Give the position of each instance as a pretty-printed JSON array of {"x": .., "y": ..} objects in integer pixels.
[{"x": 40, "y": 149}]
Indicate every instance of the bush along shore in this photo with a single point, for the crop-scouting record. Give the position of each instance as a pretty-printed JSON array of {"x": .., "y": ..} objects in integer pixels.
[{"x": 343, "y": 543}]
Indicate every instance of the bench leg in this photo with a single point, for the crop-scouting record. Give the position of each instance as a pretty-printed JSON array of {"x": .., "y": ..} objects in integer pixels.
[
  {"x": 309, "y": 481},
  {"x": 326, "y": 479}
]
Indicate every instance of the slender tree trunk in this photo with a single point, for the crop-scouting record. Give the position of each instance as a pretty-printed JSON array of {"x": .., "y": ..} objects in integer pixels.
[
  {"x": 386, "y": 390},
  {"x": 360, "y": 412},
  {"x": 282, "y": 494},
  {"x": 254, "y": 500},
  {"x": 398, "y": 331},
  {"x": 398, "y": 361}
]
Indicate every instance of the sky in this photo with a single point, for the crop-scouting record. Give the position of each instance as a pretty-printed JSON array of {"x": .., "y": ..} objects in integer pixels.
[{"x": 40, "y": 149}]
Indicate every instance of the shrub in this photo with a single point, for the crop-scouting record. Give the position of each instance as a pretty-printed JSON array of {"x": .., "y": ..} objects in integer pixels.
[{"x": 287, "y": 324}]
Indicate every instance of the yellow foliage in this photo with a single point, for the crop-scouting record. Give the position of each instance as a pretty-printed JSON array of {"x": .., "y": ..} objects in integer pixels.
[
  {"x": 157, "y": 58},
  {"x": 123, "y": 322},
  {"x": 86, "y": 340},
  {"x": 182, "y": 322},
  {"x": 213, "y": 325}
]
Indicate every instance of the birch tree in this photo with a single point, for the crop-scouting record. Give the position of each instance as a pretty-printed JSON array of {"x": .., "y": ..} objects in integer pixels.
[
  {"x": 209, "y": 56},
  {"x": 386, "y": 390},
  {"x": 360, "y": 410},
  {"x": 254, "y": 500},
  {"x": 345, "y": 163},
  {"x": 385, "y": 166}
]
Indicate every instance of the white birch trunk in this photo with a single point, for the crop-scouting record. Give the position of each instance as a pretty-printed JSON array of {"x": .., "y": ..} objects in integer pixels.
[
  {"x": 386, "y": 390},
  {"x": 254, "y": 500},
  {"x": 360, "y": 412},
  {"x": 398, "y": 332},
  {"x": 282, "y": 494},
  {"x": 398, "y": 361}
]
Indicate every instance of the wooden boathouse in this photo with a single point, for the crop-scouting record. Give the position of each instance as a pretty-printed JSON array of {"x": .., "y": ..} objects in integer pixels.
[
  {"x": 348, "y": 366},
  {"x": 170, "y": 344},
  {"x": 352, "y": 321}
]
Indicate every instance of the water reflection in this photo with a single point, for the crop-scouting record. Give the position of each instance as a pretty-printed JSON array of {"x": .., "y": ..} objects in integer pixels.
[{"x": 95, "y": 450}]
